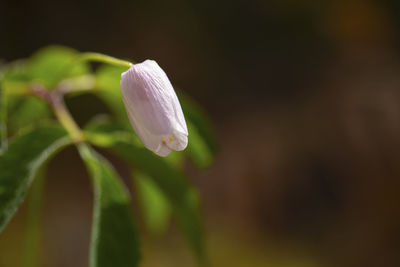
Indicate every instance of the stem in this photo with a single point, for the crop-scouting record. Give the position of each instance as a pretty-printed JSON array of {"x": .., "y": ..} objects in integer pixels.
[
  {"x": 90, "y": 56},
  {"x": 32, "y": 234},
  {"x": 56, "y": 101},
  {"x": 65, "y": 117}
]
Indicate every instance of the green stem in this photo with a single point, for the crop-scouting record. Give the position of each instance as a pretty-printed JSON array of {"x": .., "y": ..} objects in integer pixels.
[
  {"x": 90, "y": 56},
  {"x": 56, "y": 100},
  {"x": 32, "y": 234},
  {"x": 65, "y": 117}
]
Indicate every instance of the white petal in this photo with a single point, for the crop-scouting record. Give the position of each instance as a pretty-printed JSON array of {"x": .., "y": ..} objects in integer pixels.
[
  {"x": 180, "y": 124},
  {"x": 149, "y": 140},
  {"x": 163, "y": 150},
  {"x": 177, "y": 141}
]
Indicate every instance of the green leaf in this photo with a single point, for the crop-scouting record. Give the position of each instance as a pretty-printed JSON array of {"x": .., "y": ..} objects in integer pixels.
[
  {"x": 20, "y": 162},
  {"x": 21, "y": 110},
  {"x": 14, "y": 81},
  {"x": 114, "y": 239},
  {"x": 198, "y": 150},
  {"x": 202, "y": 145},
  {"x": 155, "y": 207},
  {"x": 26, "y": 112},
  {"x": 104, "y": 131},
  {"x": 182, "y": 197},
  {"x": 3, "y": 115},
  {"x": 198, "y": 117},
  {"x": 15, "y": 75},
  {"x": 51, "y": 64},
  {"x": 108, "y": 85},
  {"x": 31, "y": 248}
]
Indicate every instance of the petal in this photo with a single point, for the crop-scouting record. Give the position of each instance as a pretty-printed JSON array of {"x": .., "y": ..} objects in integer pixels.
[
  {"x": 177, "y": 141},
  {"x": 149, "y": 140},
  {"x": 163, "y": 150},
  {"x": 180, "y": 123}
]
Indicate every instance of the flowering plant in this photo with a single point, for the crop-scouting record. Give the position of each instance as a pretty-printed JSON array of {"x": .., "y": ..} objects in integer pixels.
[{"x": 35, "y": 124}]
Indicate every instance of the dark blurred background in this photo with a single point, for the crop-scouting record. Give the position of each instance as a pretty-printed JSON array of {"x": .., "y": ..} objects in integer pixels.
[{"x": 305, "y": 99}]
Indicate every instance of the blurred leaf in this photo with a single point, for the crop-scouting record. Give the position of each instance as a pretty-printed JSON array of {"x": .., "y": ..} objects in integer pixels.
[
  {"x": 202, "y": 146},
  {"x": 182, "y": 197},
  {"x": 13, "y": 84},
  {"x": 31, "y": 248},
  {"x": 155, "y": 207},
  {"x": 199, "y": 118},
  {"x": 198, "y": 150},
  {"x": 16, "y": 71},
  {"x": 20, "y": 162},
  {"x": 15, "y": 78},
  {"x": 3, "y": 115},
  {"x": 114, "y": 240},
  {"x": 26, "y": 112},
  {"x": 103, "y": 124},
  {"x": 175, "y": 159},
  {"x": 51, "y": 64},
  {"x": 108, "y": 85}
]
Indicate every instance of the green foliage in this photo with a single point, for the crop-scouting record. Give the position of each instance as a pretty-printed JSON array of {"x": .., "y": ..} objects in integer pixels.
[
  {"x": 3, "y": 126},
  {"x": 108, "y": 85},
  {"x": 46, "y": 67},
  {"x": 51, "y": 64},
  {"x": 155, "y": 208},
  {"x": 15, "y": 77},
  {"x": 13, "y": 81},
  {"x": 20, "y": 162},
  {"x": 195, "y": 114},
  {"x": 31, "y": 248},
  {"x": 28, "y": 89},
  {"x": 198, "y": 150},
  {"x": 114, "y": 239},
  {"x": 25, "y": 113},
  {"x": 181, "y": 196}
]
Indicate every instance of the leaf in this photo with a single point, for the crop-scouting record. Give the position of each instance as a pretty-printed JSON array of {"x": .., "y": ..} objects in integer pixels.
[
  {"x": 202, "y": 145},
  {"x": 26, "y": 112},
  {"x": 13, "y": 81},
  {"x": 182, "y": 197},
  {"x": 108, "y": 85},
  {"x": 114, "y": 240},
  {"x": 20, "y": 162},
  {"x": 51, "y": 64},
  {"x": 15, "y": 75},
  {"x": 31, "y": 249},
  {"x": 198, "y": 150},
  {"x": 3, "y": 115},
  {"x": 155, "y": 207},
  {"x": 195, "y": 114}
]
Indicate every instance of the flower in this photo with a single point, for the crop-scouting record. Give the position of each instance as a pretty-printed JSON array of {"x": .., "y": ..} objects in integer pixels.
[{"x": 153, "y": 108}]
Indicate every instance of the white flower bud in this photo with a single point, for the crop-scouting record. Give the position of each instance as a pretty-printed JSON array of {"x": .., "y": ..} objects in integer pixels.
[{"x": 153, "y": 108}]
